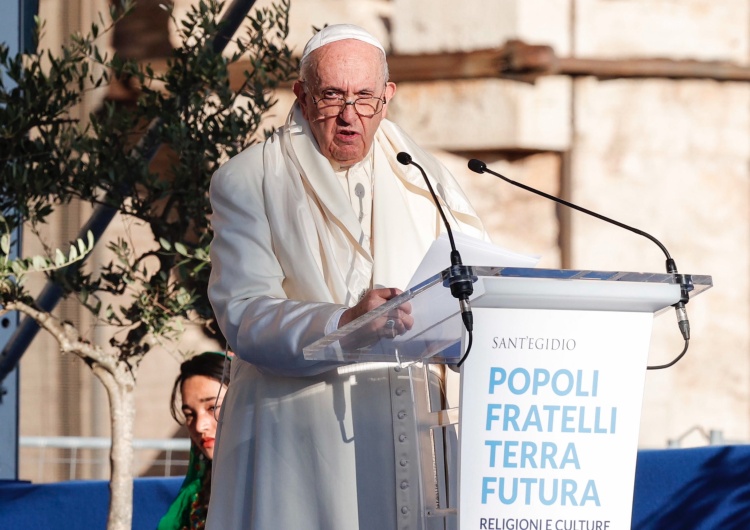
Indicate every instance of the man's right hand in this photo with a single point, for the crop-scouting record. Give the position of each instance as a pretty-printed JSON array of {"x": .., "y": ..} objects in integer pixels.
[{"x": 396, "y": 322}]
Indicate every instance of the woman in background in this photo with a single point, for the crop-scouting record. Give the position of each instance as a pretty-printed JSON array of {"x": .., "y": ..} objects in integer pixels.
[{"x": 201, "y": 385}]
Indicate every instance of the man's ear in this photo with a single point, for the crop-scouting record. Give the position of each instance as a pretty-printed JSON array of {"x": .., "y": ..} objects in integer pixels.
[
  {"x": 299, "y": 91},
  {"x": 390, "y": 91}
]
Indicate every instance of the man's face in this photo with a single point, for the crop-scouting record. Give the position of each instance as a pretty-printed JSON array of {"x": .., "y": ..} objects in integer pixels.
[{"x": 354, "y": 70}]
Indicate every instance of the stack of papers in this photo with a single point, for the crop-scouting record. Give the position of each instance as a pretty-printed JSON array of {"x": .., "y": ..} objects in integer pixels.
[{"x": 475, "y": 252}]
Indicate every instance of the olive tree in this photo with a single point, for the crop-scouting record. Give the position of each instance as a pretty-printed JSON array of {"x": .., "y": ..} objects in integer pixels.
[{"x": 150, "y": 161}]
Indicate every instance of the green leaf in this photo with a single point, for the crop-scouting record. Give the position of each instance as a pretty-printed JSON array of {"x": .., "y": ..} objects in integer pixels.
[
  {"x": 181, "y": 249},
  {"x": 38, "y": 263}
]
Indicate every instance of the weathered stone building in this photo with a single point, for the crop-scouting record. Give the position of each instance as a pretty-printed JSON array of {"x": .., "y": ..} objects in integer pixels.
[{"x": 637, "y": 109}]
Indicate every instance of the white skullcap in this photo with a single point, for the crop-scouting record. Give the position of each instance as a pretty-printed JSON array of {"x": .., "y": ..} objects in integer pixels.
[{"x": 338, "y": 32}]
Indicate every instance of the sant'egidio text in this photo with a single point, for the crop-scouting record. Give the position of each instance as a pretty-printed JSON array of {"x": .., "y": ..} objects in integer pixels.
[{"x": 533, "y": 343}]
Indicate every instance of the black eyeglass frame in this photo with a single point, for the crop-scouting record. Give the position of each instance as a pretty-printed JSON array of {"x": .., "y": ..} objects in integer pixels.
[{"x": 341, "y": 103}]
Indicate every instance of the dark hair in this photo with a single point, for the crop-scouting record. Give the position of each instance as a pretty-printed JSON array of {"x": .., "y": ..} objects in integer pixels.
[{"x": 208, "y": 364}]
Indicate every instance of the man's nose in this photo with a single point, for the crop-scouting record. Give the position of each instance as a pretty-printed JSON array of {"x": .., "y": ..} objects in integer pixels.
[{"x": 348, "y": 113}]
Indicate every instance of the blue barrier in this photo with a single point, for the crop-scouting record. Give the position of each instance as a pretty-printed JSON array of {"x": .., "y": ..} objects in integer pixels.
[
  {"x": 80, "y": 504},
  {"x": 705, "y": 488},
  {"x": 675, "y": 489}
]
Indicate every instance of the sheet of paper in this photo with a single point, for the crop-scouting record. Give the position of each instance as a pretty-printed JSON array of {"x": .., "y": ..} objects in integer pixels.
[{"x": 473, "y": 251}]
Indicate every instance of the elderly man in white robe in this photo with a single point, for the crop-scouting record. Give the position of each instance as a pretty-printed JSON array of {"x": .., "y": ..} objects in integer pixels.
[{"x": 308, "y": 225}]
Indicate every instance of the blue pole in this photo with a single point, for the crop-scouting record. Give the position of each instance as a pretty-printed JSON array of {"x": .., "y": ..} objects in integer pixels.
[{"x": 16, "y": 30}]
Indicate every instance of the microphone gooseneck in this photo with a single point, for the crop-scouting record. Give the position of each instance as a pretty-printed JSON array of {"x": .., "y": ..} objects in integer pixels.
[
  {"x": 460, "y": 277},
  {"x": 480, "y": 167}
]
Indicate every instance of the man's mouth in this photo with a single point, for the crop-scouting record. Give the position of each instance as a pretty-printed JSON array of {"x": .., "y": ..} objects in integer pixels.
[{"x": 346, "y": 135}]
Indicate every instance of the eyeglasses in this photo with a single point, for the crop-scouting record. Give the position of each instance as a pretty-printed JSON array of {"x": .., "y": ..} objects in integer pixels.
[{"x": 333, "y": 104}]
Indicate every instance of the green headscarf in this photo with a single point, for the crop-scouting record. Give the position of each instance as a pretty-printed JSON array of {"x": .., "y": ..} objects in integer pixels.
[{"x": 191, "y": 499}]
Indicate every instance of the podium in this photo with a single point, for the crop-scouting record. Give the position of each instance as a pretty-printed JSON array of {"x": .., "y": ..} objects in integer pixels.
[{"x": 545, "y": 435}]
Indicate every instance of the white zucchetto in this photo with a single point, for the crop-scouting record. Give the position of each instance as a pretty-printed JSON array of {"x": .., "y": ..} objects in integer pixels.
[{"x": 338, "y": 32}]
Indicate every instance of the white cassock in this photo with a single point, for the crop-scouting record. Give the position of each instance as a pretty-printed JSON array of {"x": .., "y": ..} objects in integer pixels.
[{"x": 301, "y": 444}]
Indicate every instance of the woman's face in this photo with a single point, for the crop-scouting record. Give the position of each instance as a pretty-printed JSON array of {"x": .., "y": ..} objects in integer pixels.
[{"x": 200, "y": 407}]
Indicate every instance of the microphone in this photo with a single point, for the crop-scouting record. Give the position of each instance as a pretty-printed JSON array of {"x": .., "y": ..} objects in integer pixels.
[
  {"x": 460, "y": 277},
  {"x": 480, "y": 167}
]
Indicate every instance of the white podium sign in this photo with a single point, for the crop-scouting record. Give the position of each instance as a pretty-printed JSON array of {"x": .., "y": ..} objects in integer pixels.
[{"x": 550, "y": 412}]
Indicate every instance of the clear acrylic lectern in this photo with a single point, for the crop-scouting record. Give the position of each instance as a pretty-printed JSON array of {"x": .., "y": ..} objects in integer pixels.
[
  {"x": 438, "y": 329},
  {"x": 436, "y": 338}
]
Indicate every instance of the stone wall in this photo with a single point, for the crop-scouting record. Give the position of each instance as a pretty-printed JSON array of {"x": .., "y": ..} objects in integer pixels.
[
  {"x": 671, "y": 157},
  {"x": 667, "y": 156}
]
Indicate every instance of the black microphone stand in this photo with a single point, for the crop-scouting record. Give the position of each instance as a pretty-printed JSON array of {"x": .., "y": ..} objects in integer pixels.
[
  {"x": 460, "y": 277},
  {"x": 685, "y": 282}
]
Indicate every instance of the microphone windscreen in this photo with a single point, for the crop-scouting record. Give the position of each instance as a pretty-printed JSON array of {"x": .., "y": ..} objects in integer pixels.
[
  {"x": 477, "y": 166},
  {"x": 404, "y": 158}
]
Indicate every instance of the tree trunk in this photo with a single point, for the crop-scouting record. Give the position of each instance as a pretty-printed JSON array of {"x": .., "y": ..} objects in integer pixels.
[{"x": 120, "y": 390}]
